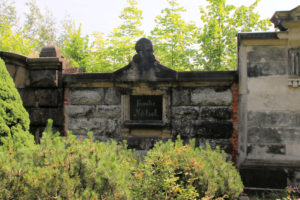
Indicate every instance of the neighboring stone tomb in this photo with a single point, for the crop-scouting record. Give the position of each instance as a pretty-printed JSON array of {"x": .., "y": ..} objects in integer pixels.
[
  {"x": 252, "y": 113},
  {"x": 269, "y": 108}
]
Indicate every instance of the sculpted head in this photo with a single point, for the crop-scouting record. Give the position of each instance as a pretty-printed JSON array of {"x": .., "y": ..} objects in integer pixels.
[{"x": 144, "y": 45}]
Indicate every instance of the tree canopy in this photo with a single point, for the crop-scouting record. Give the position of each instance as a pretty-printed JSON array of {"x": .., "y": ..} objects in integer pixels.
[{"x": 179, "y": 44}]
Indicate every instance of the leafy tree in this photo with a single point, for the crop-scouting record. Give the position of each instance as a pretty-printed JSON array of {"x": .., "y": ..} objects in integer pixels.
[
  {"x": 11, "y": 39},
  {"x": 217, "y": 38},
  {"x": 100, "y": 55},
  {"x": 38, "y": 27},
  {"x": 76, "y": 48},
  {"x": 122, "y": 39},
  {"x": 15, "y": 42},
  {"x": 14, "y": 119},
  {"x": 173, "y": 38},
  {"x": 8, "y": 14}
]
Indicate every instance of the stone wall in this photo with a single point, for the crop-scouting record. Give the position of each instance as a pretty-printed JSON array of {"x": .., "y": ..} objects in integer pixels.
[
  {"x": 39, "y": 82},
  {"x": 203, "y": 113},
  {"x": 93, "y": 109},
  {"x": 199, "y": 109},
  {"x": 269, "y": 132}
]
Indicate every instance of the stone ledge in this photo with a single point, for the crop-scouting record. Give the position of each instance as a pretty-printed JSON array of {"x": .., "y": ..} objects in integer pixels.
[
  {"x": 144, "y": 124},
  {"x": 274, "y": 164},
  {"x": 257, "y": 36},
  {"x": 12, "y": 56},
  {"x": 208, "y": 76},
  {"x": 44, "y": 63},
  {"x": 228, "y": 76}
]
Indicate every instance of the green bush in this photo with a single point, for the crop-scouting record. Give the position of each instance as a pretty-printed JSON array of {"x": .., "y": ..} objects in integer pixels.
[
  {"x": 72, "y": 168},
  {"x": 14, "y": 119},
  {"x": 67, "y": 168},
  {"x": 174, "y": 171}
]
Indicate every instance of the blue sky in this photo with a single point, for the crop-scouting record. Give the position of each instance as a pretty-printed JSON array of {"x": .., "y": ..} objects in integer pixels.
[{"x": 102, "y": 15}]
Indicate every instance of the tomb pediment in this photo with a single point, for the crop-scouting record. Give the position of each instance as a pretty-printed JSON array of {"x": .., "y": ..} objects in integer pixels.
[{"x": 280, "y": 18}]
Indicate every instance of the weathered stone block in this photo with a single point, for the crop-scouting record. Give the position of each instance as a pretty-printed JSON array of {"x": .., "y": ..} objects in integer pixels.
[
  {"x": 112, "y": 96},
  {"x": 86, "y": 96},
  {"x": 224, "y": 144},
  {"x": 28, "y": 97},
  {"x": 107, "y": 127},
  {"x": 220, "y": 113},
  {"x": 11, "y": 69},
  {"x": 258, "y": 150},
  {"x": 185, "y": 112},
  {"x": 180, "y": 97},
  {"x": 100, "y": 127},
  {"x": 48, "y": 97},
  {"x": 203, "y": 129},
  {"x": 184, "y": 128},
  {"x": 79, "y": 111},
  {"x": 21, "y": 78},
  {"x": 108, "y": 112},
  {"x": 271, "y": 119},
  {"x": 80, "y": 126},
  {"x": 264, "y": 135},
  {"x": 214, "y": 129},
  {"x": 264, "y": 178},
  {"x": 266, "y": 61},
  {"x": 40, "y": 116},
  {"x": 211, "y": 97},
  {"x": 43, "y": 78},
  {"x": 264, "y": 69},
  {"x": 297, "y": 120}
]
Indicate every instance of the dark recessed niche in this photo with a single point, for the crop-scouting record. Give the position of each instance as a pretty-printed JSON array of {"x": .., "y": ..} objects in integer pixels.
[{"x": 146, "y": 107}]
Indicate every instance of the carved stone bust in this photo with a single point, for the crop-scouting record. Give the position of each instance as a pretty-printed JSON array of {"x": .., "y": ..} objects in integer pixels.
[{"x": 145, "y": 50}]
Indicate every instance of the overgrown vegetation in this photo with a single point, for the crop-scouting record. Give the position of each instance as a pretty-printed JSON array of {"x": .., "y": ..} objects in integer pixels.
[
  {"x": 177, "y": 171},
  {"x": 72, "y": 168},
  {"x": 179, "y": 44},
  {"x": 14, "y": 119},
  {"x": 66, "y": 168}
]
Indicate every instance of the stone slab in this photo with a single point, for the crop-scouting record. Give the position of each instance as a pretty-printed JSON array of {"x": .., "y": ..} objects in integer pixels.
[
  {"x": 181, "y": 97},
  {"x": 204, "y": 129},
  {"x": 272, "y": 94},
  {"x": 211, "y": 97},
  {"x": 21, "y": 78},
  {"x": 40, "y": 116},
  {"x": 49, "y": 97},
  {"x": 216, "y": 112},
  {"x": 185, "y": 112},
  {"x": 267, "y": 61},
  {"x": 100, "y": 127},
  {"x": 43, "y": 78},
  {"x": 112, "y": 96},
  {"x": 28, "y": 97},
  {"x": 79, "y": 111},
  {"x": 273, "y": 119},
  {"x": 90, "y": 96}
]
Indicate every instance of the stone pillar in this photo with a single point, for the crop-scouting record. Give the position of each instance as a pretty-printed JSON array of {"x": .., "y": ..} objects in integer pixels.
[{"x": 39, "y": 81}]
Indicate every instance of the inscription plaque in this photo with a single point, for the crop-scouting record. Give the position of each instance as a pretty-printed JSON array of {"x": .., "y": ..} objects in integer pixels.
[{"x": 145, "y": 107}]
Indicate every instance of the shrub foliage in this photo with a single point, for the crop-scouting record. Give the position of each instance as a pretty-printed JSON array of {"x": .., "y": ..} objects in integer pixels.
[
  {"x": 14, "y": 119},
  {"x": 66, "y": 168},
  {"x": 72, "y": 168},
  {"x": 177, "y": 171}
]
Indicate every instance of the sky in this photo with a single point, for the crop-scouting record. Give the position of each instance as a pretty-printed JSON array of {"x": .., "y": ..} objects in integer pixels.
[{"x": 103, "y": 15}]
